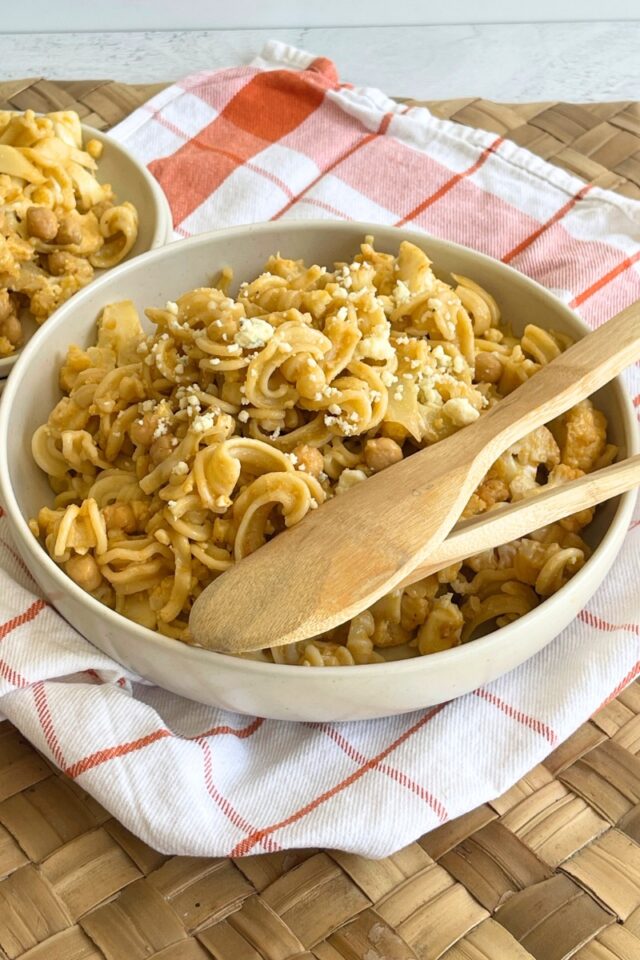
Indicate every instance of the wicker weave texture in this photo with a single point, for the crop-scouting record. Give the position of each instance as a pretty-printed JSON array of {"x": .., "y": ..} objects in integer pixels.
[{"x": 549, "y": 871}]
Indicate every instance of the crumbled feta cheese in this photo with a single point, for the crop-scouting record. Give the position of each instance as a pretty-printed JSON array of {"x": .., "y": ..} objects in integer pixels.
[
  {"x": 388, "y": 378},
  {"x": 460, "y": 411},
  {"x": 172, "y": 307},
  {"x": 377, "y": 347},
  {"x": 142, "y": 348},
  {"x": 401, "y": 292},
  {"x": 458, "y": 364},
  {"x": 179, "y": 368},
  {"x": 349, "y": 478},
  {"x": 335, "y": 409},
  {"x": 342, "y": 313},
  {"x": 147, "y": 406},
  {"x": 292, "y": 457},
  {"x": 443, "y": 359},
  {"x": 187, "y": 400},
  {"x": 243, "y": 416},
  {"x": 253, "y": 333},
  {"x": 203, "y": 423},
  {"x": 161, "y": 428},
  {"x": 181, "y": 468}
]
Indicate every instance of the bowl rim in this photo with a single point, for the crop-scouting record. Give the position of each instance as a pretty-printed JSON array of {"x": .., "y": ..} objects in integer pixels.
[
  {"x": 162, "y": 234},
  {"x": 199, "y": 656}
]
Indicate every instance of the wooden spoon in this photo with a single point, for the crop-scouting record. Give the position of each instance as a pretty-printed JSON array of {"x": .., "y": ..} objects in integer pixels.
[
  {"x": 513, "y": 520},
  {"x": 342, "y": 558}
]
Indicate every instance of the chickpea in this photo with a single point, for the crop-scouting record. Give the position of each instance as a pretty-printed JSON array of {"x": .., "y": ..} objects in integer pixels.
[
  {"x": 488, "y": 368},
  {"x": 160, "y": 449},
  {"x": 62, "y": 263},
  {"x": 6, "y": 305},
  {"x": 85, "y": 572},
  {"x": 381, "y": 453},
  {"x": 59, "y": 263},
  {"x": 11, "y": 328},
  {"x": 120, "y": 516},
  {"x": 309, "y": 458},
  {"x": 94, "y": 148},
  {"x": 131, "y": 389},
  {"x": 395, "y": 431},
  {"x": 141, "y": 430},
  {"x": 41, "y": 223},
  {"x": 69, "y": 231}
]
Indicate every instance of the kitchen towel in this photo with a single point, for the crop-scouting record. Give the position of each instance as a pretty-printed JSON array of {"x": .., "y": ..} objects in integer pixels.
[{"x": 284, "y": 138}]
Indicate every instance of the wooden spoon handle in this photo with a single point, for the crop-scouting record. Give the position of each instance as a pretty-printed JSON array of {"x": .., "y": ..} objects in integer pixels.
[
  {"x": 515, "y": 520},
  {"x": 575, "y": 374}
]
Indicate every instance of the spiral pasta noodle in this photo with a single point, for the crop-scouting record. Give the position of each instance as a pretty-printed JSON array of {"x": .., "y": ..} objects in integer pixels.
[
  {"x": 57, "y": 223},
  {"x": 177, "y": 453}
]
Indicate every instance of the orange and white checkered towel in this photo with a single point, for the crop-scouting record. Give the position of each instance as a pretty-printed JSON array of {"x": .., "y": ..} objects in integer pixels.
[{"x": 284, "y": 138}]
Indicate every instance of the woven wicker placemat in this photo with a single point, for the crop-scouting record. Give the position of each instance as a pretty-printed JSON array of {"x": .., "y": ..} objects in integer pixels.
[{"x": 550, "y": 870}]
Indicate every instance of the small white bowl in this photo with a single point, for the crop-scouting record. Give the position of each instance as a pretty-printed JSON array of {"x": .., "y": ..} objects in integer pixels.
[
  {"x": 270, "y": 690},
  {"x": 131, "y": 181}
]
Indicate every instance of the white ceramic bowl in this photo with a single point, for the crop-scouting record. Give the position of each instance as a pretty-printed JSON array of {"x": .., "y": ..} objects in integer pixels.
[
  {"x": 131, "y": 181},
  {"x": 269, "y": 690}
]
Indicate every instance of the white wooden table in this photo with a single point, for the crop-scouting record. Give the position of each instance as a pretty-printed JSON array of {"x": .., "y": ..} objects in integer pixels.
[{"x": 514, "y": 62}]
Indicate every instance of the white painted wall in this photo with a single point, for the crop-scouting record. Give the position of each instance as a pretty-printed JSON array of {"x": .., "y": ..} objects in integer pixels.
[{"x": 39, "y": 16}]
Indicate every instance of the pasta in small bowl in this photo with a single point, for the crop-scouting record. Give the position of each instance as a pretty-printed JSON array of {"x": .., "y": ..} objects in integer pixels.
[
  {"x": 73, "y": 203},
  {"x": 204, "y": 397}
]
